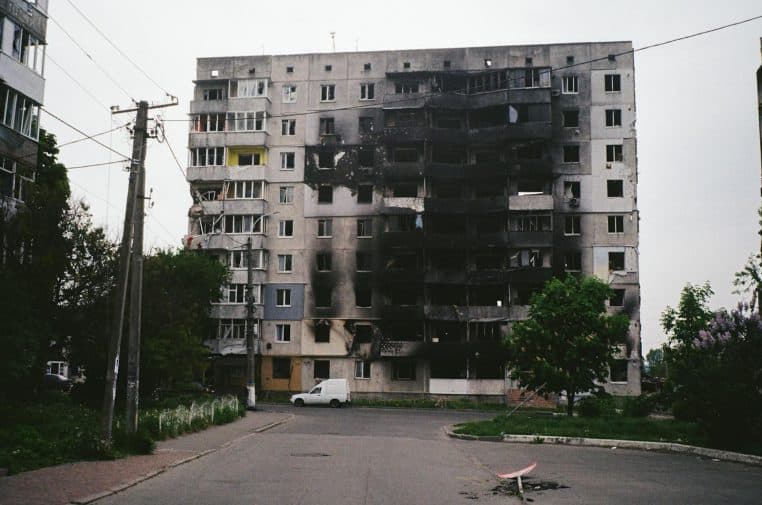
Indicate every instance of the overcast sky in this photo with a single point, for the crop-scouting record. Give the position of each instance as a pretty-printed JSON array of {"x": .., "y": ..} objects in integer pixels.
[{"x": 697, "y": 127}]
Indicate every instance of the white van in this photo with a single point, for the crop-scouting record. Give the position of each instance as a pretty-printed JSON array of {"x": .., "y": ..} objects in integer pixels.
[{"x": 333, "y": 392}]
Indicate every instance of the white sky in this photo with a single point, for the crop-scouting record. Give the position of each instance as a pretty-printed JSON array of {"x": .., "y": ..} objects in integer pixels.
[{"x": 697, "y": 127}]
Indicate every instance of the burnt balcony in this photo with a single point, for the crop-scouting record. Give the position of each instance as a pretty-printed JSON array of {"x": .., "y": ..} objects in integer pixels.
[
  {"x": 438, "y": 276},
  {"x": 490, "y": 98},
  {"x": 531, "y": 202},
  {"x": 398, "y": 348},
  {"x": 532, "y": 275},
  {"x": 485, "y": 205},
  {"x": 402, "y": 239},
  {"x": 401, "y": 277},
  {"x": 403, "y": 205},
  {"x": 445, "y": 170},
  {"x": 403, "y": 170},
  {"x": 402, "y": 312},
  {"x": 233, "y": 207},
  {"x": 511, "y": 131},
  {"x": 531, "y": 238},
  {"x": 529, "y": 168},
  {"x": 484, "y": 276},
  {"x": 500, "y": 239},
  {"x": 466, "y": 313}
]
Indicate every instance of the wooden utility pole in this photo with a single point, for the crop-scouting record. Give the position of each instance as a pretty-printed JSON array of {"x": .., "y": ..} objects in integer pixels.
[
  {"x": 115, "y": 342},
  {"x": 133, "y": 225}
]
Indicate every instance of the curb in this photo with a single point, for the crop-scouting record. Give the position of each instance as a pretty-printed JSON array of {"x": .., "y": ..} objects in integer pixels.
[
  {"x": 126, "y": 485},
  {"x": 736, "y": 457}
]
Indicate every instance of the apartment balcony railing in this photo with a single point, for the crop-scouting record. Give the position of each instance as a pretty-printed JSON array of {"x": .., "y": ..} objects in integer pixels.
[
  {"x": 530, "y": 202},
  {"x": 227, "y": 138}
]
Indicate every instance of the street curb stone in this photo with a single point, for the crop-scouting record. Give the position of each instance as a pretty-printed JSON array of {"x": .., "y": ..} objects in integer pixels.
[
  {"x": 121, "y": 487},
  {"x": 736, "y": 457}
]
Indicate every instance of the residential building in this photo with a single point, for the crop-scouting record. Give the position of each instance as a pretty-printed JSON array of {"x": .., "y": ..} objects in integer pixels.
[
  {"x": 23, "y": 25},
  {"x": 404, "y": 206}
]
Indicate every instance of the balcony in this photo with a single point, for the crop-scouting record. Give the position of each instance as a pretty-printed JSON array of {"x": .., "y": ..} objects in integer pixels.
[
  {"x": 402, "y": 312},
  {"x": 492, "y": 387},
  {"x": 483, "y": 313},
  {"x": 435, "y": 276},
  {"x": 27, "y": 15},
  {"x": 528, "y": 168},
  {"x": 462, "y": 206},
  {"x": 531, "y": 238},
  {"x": 401, "y": 277},
  {"x": 409, "y": 204},
  {"x": 402, "y": 349},
  {"x": 223, "y": 173},
  {"x": 233, "y": 207},
  {"x": 490, "y": 98},
  {"x": 413, "y": 170},
  {"x": 219, "y": 139},
  {"x": 208, "y": 106},
  {"x": 513, "y": 131},
  {"x": 530, "y": 202},
  {"x": 402, "y": 239},
  {"x": 532, "y": 275},
  {"x": 226, "y": 346},
  {"x": 445, "y": 170},
  {"x": 20, "y": 77},
  {"x": 223, "y": 241},
  {"x": 230, "y": 310}
]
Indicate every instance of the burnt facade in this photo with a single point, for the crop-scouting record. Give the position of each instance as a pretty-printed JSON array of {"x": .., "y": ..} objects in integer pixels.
[{"x": 406, "y": 204}]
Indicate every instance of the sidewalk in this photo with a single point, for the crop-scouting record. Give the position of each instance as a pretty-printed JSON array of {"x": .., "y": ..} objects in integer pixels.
[{"x": 83, "y": 481}]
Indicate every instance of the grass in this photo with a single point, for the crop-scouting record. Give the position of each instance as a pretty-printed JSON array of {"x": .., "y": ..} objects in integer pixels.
[
  {"x": 53, "y": 429},
  {"x": 616, "y": 427}
]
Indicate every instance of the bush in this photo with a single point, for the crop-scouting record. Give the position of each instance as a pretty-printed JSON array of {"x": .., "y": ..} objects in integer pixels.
[
  {"x": 597, "y": 406},
  {"x": 638, "y": 406}
]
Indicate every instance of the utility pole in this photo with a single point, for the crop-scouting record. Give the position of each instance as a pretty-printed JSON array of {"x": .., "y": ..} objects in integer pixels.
[
  {"x": 132, "y": 225},
  {"x": 136, "y": 276},
  {"x": 251, "y": 356}
]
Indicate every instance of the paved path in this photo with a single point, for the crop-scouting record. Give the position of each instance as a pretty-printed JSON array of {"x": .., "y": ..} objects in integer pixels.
[{"x": 62, "y": 484}]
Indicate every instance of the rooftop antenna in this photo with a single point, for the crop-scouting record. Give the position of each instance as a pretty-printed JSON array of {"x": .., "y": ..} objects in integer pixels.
[{"x": 333, "y": 41}]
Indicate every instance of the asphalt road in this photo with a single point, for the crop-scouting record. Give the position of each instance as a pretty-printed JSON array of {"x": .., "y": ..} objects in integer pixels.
[{"x": 393, "y": 457}]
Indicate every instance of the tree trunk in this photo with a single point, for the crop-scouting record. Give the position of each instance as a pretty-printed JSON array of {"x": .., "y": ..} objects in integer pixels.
[{"x": 570, "y": 404}]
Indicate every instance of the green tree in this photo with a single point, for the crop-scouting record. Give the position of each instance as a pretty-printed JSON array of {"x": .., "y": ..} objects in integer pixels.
[
  {"x": 568, "y": 340},
  {"x": 33, "y": 256},
  {"x": 178, "y": 288},
  {"x": 655, "y": 360}
]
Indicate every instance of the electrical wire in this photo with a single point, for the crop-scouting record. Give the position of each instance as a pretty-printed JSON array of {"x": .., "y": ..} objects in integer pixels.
[
  {"x": 67, "y": 74},
  {"x": 100, "y": 67},
  {"x": 92, "y": 136},
  {"x": 95, "y": 164},
  {"x": 89, "y": 137},
  {"x": 112, "y": 44},
  {"x": 546, "y": 70}
]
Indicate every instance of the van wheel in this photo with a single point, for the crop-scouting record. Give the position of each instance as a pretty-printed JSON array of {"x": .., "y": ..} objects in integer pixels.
[
  {"x": 298, "y": 402},
  {"x": 335, "y": 403}
]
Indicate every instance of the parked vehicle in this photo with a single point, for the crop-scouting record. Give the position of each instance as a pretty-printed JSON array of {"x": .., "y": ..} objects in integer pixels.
[{"x": 333, "y": 392}]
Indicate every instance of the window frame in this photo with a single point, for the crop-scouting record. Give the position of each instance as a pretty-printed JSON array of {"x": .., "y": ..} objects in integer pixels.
[
  {"x": 363, "y": 371},
  {"x": 572, "y": 225},
  {"x": 286, "y": 195},
  {"x": 365, "y": 227},
  {"x": 283, "y": 297},
  {"x": 367, "y": 91},
  {"x": 612, "y": 83},
  {"x": 568, "y": 149},
  {"x": 615, "y": 224},
  {"x": 566, "y": 80},
  {"x": 288, "y": 127},
  {"x": 614, "y": 153},
  {"x": 285, "y": 156},
  {"x": 285, "y": 263},
  {"x": 327, "y": 225},
  {"x": 283, "y": 225},
  {"x": 327, "y": 260},
  {"x": 611, "y": 186},
  {"x": 397, "y": 368},
  {"x": 613, "y": 118},
  {"x": 282, "y": 333},
  {"x": 327, "y": 93},
  {"x": 611, "y": 261},
  {"x": 289, "y": 93}
]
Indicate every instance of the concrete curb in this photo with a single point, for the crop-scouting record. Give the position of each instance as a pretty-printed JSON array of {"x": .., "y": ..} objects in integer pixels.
[
  {"x": 126, "y": 485},
  {"x": 736, "y": 457}
]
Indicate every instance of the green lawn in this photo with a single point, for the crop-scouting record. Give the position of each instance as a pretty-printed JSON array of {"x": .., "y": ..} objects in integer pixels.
[{"x": 616, "y": 427}]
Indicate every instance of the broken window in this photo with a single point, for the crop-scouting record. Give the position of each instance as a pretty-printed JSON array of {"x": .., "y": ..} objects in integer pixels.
[
  {"x": 405, "y": 155},
  {"x": 406, "y": 87},
  {"x": 327, "y": 92},
  {"x": 367, "y": 91},
  {"x": 530, "y": 222},
  {"x": 615, "y": 188},
  {"x": 249, "y": 159},
  {"x": 570, "y": 84},
  {"x": 207, "y": 156},
  {"x": 322, "y": 296},
  {"x": 246, "y": 121},
  {"x": 613, "y": 117},
  {"x": 532, "y": 151},
  {"x": 289, "y": 70},
  {"x": 363, "y": 296},
  {"x": 619, "y": 370},
  {"x": 614, "y": 153},
  {"x": 572, "y": 225},
  {"x": 404, "y": 190},
  {"x": 366, "y": 156},
  {"x": 322, "y": 332},
  {"x": 328, "y": 68},
  {"x": 366, "y": 66},
  {"x": 286, "y": 228},
  {"x": 322, "y": 369},
  {"x": 324, "y": 261},
  {"x": 402, "y": 263},
  {"x": 402, "y": 222},
  {"x": 285, "y": 263},
  {"x": 286, "y": 194},
  {"x": 211, "y": 94},
  {"x": 448, "y": 153},
  {"x": 363, "y": 333},
  {"x": 287, "y": 161},
  {"x": 488, "y": 117},
  {"x": 617, "y": 298},
  {"x": 403, "y": 370},
  {"x": 367, "y": 124},
  {"x": 289, "y": 93},
  {"x": 246, "y": 88},
  {"x": 242, "y": 224},
  {"x": 612, "y": 83},
  {"x": 281, "y": 368},
  {"x": 530, "y": 187},
  {"x": 283, "y": 333},
  {"x": 244, "y": 190},
  {"x": 282, "y": 297},
  {"x": 365, "y": 193},
  {"x": 208, "y": 123},
  {"x": 326, "y": 159},
  {"x": 571, "y": 189},
  {"x": 362, "y": 369},
  {"x": 572, "y": 261},
  {"x": 616, "y": 224},
  {"x": 288, "y": 127},
  {"x": 231, "y": 329},
  {"x": 364, "y": 228},
  {"x": 364, "y": 261},
  {"x": 327, "y": 126},
  {"x": 325, "y": 228},
  {"x": 406, "y": 65},
  {"x": 571, "y": 154},
  {"x": 325, "y": 194},
  {"x": 616, "y": 261},
  {"x": 235, "y": 293},
  {"x": 571, "y": 118}
]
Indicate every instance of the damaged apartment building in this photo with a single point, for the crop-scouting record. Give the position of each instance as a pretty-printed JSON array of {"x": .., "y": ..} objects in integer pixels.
[{"x": 404, "y": 205}]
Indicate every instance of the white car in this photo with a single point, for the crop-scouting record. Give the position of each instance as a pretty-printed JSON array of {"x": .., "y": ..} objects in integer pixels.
[{"x": 333, "y": 392}]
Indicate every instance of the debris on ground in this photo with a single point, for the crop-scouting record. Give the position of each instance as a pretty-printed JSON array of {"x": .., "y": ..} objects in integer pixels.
[{"x": 511, "y": 487}]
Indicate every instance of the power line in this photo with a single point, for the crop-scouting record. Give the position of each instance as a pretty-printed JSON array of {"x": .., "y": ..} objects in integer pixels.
[
  {"x": 95, "y": 164},
  {"x": 418, "y": 96},
  {"x": 124, "y": 55},
  {"x": 105, "y": 72},
  {"x": 89, "y": 137},
  {"x": 166, "y": 141},
  {"x": 67, "y": 74}
]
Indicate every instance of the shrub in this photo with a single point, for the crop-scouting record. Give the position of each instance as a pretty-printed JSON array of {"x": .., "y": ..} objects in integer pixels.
[
  {"x": 638, "y": 406},
  {"x": 597, "y": 406}
]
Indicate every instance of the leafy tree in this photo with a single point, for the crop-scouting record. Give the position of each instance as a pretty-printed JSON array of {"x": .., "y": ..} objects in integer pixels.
[
  {"x": 178, "y": 288},
  {"x": 569, "y": 340},
  {"x": 33, "y": 255},
  {"x": 655, "y": 360}
]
